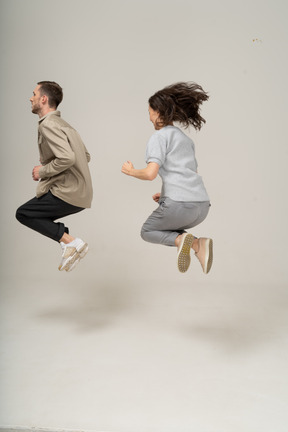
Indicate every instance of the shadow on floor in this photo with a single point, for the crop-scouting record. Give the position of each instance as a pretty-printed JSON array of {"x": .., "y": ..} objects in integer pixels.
[
  {"x": 94, "y": 306},
  {"x": 251, "y": 316}
]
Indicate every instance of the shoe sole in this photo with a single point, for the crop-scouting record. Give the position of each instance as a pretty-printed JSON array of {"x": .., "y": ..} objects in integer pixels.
[
  {"x": 208, "y": 255},
  {"x": 83, "y": 251},
  {"x": 80, "y": 254},
  {"x": 70, "y": 260},
  {"x": 183, "y": 258}
]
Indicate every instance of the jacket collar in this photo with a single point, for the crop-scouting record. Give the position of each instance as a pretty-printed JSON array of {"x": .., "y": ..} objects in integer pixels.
[{"x": 57, "y": 113}]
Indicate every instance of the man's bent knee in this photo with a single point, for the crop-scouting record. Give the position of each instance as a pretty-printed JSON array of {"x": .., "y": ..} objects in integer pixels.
[{"x": 20, "y": 216}]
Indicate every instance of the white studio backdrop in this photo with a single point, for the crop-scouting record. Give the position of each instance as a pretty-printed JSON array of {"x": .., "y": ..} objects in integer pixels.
[{"x": 110, "y": 57}]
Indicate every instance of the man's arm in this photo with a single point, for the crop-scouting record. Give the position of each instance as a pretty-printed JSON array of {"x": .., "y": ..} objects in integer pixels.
[{"x": 64, "y": 156}]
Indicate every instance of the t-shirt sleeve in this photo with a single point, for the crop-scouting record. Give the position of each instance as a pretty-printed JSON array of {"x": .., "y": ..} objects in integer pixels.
[{"x": 156, "y": 149}]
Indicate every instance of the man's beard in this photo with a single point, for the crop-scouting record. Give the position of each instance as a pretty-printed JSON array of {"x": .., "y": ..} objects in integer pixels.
[{"x": 35, "y": 109}]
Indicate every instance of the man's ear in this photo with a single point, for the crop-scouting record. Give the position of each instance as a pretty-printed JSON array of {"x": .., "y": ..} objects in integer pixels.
[{"x": 44, "y": 99}]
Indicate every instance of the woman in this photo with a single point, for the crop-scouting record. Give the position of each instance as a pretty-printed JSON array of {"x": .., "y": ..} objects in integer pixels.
[{"x": 183, "y": 201}]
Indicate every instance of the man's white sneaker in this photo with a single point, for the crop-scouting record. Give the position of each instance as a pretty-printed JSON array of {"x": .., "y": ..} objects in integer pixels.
[
  {"x": 73, "y": 265},
  {"x": 72, "y": 253},
  {"x": 82, "y": 249},
  {"x": 183, "y": 253},
  {"x": 69, "y": 255}
]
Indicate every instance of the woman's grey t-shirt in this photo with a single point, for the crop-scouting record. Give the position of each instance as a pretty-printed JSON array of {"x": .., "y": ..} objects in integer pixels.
[{"x": 174, "y": 152}]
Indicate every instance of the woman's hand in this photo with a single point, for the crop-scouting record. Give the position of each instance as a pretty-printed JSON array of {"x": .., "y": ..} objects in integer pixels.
[
  {"x": 156, "y": 197},
  {"x": 127, "y": 168}
]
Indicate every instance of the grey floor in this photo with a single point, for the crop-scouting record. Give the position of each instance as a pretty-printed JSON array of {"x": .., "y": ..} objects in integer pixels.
[{"x": 146, "y": 356}]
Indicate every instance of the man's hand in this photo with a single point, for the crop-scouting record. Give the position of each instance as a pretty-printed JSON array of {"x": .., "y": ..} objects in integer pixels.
[
  {"x": 156, "y": 197},
  {"x": 35, "y": 172},
  {"x": 127, "y": 167}
]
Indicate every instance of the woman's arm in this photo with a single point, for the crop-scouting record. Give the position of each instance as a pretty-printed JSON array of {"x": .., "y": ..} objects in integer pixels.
[{"x": 148, "y": 173}]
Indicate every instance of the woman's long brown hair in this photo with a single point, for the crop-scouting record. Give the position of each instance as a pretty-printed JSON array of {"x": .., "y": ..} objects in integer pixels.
[{"x": 179, "y": 102}]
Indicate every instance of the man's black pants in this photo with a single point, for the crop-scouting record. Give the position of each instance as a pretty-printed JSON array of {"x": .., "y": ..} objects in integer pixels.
[{"x": 39, "y": 214}]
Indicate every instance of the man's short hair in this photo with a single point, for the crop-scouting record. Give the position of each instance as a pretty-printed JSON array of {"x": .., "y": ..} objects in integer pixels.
[{"x": 53, "y": 91}]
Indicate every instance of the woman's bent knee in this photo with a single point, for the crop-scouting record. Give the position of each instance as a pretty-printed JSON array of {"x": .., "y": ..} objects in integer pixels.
[{"x": 143, "y": 234}]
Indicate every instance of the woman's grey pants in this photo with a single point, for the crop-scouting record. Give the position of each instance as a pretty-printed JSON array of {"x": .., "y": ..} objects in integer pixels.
[{"x": 172, "y": 218}]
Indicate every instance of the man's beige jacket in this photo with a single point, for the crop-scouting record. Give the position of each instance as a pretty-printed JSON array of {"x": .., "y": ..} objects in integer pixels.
[{"x": 64, "y": 157}]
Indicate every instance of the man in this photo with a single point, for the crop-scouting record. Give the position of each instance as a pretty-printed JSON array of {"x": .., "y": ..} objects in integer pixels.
[{"x": 64, "y": 181}]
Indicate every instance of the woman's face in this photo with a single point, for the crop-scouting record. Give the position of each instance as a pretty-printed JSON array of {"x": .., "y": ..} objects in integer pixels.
[{"x": 154, "y": 116}]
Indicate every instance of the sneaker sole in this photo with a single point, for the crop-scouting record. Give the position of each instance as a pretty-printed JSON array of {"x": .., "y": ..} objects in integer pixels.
[
  {"x": 73, "y": 265},
  {"x": 184, "y": 258},
  {"x": 69, "y": 261},
  {"x": 83, "y": 251},
  {"x": 80, "y": 254}
]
